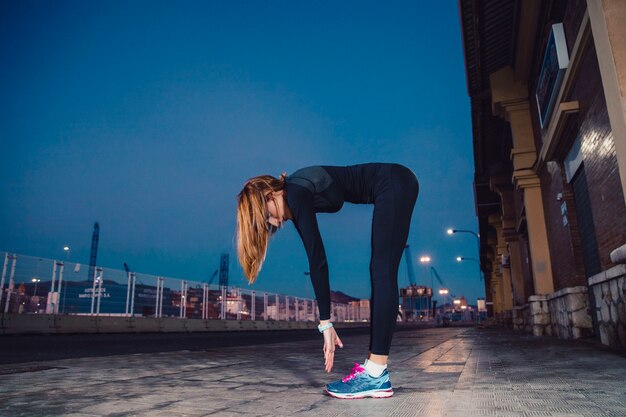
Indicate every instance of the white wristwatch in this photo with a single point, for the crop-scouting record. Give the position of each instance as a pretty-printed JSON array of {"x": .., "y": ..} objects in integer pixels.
[{"x": 324, "y": 327}]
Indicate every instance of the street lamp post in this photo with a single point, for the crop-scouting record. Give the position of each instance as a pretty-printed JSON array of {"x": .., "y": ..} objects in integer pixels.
[
  {"x": 453, "y": 231},
  {"x": 444, "y": 292},
  {"x": 34, "y": 297},
  {"x": 36, "y": 281},
  {"x": 425, "y": 260},
  {"x": 67, "y": 251},
  {"x": 462, "y": 258}
]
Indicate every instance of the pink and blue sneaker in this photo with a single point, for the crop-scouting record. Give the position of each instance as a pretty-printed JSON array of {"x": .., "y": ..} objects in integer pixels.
[{"x": 359, "y": 384}]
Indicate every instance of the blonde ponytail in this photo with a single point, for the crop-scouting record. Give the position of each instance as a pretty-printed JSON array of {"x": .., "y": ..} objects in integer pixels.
[{"x": 253, "y": 229}]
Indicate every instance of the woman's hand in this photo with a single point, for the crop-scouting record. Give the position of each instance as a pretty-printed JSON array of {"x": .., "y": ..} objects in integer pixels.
[{"x": 330, "y": 341}]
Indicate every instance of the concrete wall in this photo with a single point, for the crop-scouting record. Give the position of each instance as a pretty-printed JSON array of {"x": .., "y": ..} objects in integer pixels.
[
  {"x": 609, "y": 291},
  {"x": 569, "y": 313},
  {"x": 522, "y": 321},
  {"x": 564, "y": 314},
  {"x": 59, "y": 324}
]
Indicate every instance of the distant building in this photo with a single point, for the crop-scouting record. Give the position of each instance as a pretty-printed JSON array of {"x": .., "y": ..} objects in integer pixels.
[
  {"x": 415, "y": 302},
  {"x": 460, "y": 303}
]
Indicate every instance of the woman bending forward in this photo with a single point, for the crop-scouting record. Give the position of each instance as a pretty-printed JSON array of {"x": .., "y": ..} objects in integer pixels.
[{"x": 265, "y": 203}]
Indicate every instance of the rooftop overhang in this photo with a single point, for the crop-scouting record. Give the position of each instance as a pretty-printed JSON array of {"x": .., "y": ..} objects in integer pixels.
[{"x": 489, "y": 29}]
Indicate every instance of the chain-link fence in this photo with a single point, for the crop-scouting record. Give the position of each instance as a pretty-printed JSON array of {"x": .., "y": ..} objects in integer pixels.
[{"x": 31, "y": 285}]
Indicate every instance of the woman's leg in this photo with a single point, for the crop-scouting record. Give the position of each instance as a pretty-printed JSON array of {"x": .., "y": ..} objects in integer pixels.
[{"x": 393, "y": 208}]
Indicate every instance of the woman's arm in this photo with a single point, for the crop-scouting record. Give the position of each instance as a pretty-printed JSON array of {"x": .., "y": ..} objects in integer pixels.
[{"x": 300, "y": 202}]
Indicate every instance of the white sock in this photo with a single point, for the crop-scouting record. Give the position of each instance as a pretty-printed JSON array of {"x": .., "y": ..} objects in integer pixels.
[{"x": 374, "y": 369}]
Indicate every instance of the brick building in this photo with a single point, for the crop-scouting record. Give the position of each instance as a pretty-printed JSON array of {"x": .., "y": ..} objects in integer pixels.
[{"x": 547, "y": 83}]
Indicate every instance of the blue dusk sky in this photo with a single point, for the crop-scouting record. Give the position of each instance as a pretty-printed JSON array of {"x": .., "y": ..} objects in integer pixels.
[{"x": 148, "y": 117}]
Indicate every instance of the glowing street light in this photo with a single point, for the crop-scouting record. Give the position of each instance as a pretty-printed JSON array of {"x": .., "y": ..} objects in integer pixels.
[
  {"x": 462, "y": 258},
  {"x": 36, "y": 281},
  {"x": 425, "y": 259},
  {"x": 454, "y": 231},
  {"x": 443, "y": 292}
]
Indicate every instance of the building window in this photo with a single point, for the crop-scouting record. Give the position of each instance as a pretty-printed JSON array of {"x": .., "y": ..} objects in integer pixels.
[{"x": 591, "y": 256}]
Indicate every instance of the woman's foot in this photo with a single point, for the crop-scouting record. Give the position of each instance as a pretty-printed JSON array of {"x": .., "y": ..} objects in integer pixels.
[{"x": 360, "y": 384}]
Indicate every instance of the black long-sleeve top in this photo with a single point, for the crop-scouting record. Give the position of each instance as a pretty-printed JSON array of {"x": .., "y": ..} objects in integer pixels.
[{"x": 324, "y": 189}]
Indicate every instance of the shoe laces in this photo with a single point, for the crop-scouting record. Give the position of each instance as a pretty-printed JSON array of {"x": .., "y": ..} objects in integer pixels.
[{"x": 357, "y": 370}]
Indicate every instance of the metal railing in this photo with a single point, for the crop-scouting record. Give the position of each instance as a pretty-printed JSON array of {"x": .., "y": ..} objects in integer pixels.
[{"x": 32, "y": 285}]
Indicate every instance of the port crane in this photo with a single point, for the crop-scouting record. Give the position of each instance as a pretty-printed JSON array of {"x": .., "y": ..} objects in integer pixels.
[{"x": 213, "y": 277}]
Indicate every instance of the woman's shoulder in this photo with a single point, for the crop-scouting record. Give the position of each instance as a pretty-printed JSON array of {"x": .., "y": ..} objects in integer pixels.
[{"x": 314, "y": 178}]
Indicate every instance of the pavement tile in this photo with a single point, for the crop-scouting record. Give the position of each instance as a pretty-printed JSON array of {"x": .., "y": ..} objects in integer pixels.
[{"x": 435, "y": 372}]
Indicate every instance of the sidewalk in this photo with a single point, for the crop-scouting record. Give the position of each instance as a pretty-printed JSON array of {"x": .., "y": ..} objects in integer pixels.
[{"x": 435, "y": 372}]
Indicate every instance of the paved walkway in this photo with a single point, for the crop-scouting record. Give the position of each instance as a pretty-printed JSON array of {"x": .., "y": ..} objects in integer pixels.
[{"x": 435, "y": 372}]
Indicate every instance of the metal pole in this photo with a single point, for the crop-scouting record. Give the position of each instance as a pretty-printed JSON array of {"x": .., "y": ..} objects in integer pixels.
[
  {"x": 133, "y": 277},
  {"x": 4, "y": 274},
  {"x": 128, "y": 291},
  {"x": 185, "y": 309},
  {"x": 11, "y": 283},
  {"x": 54, "y": 273},
  {"x": 182, "y": 299},
  {"x": 480, "y": 276},
  {"x": 277, "y": 307},
  {"x": 186, "y": 298},
  {"x": 223, "y": 306},
  {"x": 206, "y": 306},
  {"x": 59, "y": 287},
  {"x": 93, "y": 290},
  {"x": 205, "y": 301},
  {"x": 156, "y": 299},
  {"x": 161, "y": 297},
  {"x": 64, "y": 296},
  {"x": 253, "y": 302},
  {"x": 100, "y": 290},
  {"x": 239, "y": 302},
  {"x": 50, "y": 297},
  {"x": 159, "y": 300}
]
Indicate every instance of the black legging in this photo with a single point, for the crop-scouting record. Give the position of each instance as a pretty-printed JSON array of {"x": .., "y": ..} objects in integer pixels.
[{"x": 396, "y": 193}]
